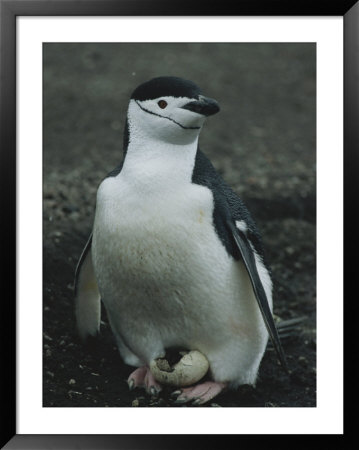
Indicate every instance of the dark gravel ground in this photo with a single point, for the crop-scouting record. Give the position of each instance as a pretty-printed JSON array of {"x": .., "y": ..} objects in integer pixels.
[{"x": 263, "y": 143}]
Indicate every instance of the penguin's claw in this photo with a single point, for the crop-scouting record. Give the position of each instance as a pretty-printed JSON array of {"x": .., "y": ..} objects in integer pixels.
[
  {"x": 199, "y": 394},
  {"x": 151, "y": 385},
  {"x": 175, "y": 393},
  {"x": 137, "y": 377},
  {"x": 142, "y": 377},
  {"x": 154, "y": 391}
]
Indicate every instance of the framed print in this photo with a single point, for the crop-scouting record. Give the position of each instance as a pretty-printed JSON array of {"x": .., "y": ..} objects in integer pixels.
[{"x": 72, "y": 73}]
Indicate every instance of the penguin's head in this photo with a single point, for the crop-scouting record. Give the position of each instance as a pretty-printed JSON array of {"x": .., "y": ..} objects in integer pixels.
[{"x": 169, "y": 109}]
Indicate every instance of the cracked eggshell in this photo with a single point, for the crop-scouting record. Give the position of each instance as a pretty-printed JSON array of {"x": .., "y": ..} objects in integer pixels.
[{"x": 191, "y": 368}]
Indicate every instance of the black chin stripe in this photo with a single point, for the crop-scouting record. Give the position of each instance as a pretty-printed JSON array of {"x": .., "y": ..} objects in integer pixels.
[{"x": 168, "y": 118}]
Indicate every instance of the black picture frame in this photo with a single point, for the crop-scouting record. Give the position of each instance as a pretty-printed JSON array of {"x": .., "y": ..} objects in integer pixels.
[{"x": 9, "y": 10}]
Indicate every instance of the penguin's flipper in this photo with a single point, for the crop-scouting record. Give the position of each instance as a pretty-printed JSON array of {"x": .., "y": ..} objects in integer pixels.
[
  {"x": 247, "y": 253},
  {"x": 87, "y": 296}
]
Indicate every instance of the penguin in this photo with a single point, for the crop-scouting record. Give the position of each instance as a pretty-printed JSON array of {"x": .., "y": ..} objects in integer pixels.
[{"x": 174, "y": 254}]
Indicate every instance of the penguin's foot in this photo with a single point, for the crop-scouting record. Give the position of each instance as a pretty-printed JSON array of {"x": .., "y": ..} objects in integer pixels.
[
  {"x": 142, "y": 377},
  {"x": 199, "y": 394}
]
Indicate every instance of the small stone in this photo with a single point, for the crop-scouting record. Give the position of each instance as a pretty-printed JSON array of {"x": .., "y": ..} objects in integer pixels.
[
  {"x": 72, "y": 381},
  {"x": 302, "y": 360},
  {"x": 135, "y": 402},
  {"x": 74, "y": 392}
]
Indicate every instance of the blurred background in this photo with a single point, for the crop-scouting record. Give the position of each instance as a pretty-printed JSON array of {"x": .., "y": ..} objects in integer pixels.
[{"x": 262, "y": 142}]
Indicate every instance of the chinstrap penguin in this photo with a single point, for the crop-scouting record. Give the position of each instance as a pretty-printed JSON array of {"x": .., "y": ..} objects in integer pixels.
[{"x": 174, "y": 254}]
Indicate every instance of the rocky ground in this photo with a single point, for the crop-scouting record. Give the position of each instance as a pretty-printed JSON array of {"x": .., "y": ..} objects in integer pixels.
[{"x": 262, "y": 142}]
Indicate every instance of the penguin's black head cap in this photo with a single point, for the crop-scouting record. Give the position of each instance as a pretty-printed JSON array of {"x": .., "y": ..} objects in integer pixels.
[
  {"x": 166, "y": 86},
  {"x": 168, "y": 109}
]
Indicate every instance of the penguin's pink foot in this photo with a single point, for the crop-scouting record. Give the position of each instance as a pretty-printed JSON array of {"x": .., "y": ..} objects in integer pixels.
[
  {"x": 142, "y": 377},
  {"x": 200, "y": 394}
]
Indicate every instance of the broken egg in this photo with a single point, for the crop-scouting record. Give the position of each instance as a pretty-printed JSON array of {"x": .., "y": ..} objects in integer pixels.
[{"x": 188, "y": 370}]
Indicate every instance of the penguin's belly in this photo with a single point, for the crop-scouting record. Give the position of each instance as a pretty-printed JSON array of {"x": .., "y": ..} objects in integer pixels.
[{"x": 165, "y": 277}]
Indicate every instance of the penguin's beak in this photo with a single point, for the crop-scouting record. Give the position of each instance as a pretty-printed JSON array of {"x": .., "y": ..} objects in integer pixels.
[{"x": 204, "y": 105}]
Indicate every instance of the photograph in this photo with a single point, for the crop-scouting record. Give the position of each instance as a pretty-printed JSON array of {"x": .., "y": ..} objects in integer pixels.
[
  {"x": 179, "y": 224},
  {"x": 176, "y": 178}
]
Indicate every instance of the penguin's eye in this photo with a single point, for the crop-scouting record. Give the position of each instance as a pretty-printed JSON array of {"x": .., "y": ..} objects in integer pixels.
[{"x": 162, "y": 104}]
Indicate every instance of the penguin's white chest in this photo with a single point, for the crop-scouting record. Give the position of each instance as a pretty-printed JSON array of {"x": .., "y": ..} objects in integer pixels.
[{"x": 146, "y": 240}]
